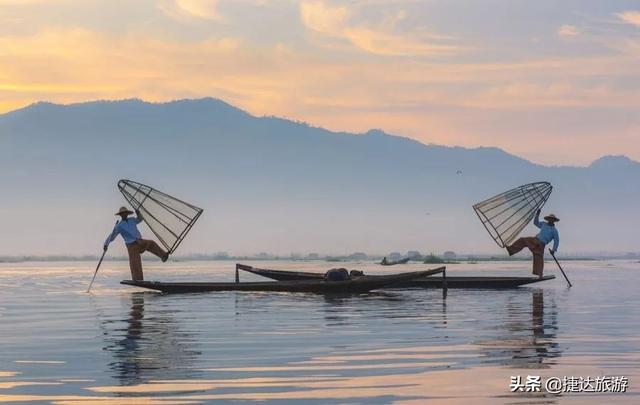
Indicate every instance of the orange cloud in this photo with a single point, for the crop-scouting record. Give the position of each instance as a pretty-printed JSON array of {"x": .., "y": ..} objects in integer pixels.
[
  {"x": 630, "y": 17},
  {"x": 185, "y": 9},
  {"x": 318, "y": 16},
  {"x": 334, "y": 21},
  {"x": 444, "y": 101},
  {"x": 567, "y": 30}
]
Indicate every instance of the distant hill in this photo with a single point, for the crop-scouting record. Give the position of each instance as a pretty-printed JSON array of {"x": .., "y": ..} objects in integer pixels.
[{"x": 270, "y": 184}]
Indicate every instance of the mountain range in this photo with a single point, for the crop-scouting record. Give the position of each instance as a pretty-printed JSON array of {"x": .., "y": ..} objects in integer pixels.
[{"x": 271, "y": 184}]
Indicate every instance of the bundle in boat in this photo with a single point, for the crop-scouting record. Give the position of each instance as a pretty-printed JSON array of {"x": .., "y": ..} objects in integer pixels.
[
  {"x": 169, "y": 218},
  {"x": 508, "y": 213}
]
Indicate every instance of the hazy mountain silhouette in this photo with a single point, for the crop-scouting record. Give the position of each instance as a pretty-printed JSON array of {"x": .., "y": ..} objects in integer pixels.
[{"x": 276, "y": 185}]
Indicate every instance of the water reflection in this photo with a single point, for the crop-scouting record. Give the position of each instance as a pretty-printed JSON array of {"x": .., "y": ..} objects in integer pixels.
[
  {"x": 518, "y": 329},
  {"x": 527, "y": 337},
  {"x": 336, "y": 310},
  {"x": 150, "y": 345}
]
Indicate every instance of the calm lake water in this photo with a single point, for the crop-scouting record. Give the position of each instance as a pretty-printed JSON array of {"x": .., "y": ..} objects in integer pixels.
[{"x": 119, "y": 344}]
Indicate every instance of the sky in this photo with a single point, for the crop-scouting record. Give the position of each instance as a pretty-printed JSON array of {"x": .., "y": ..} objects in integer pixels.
[{"x": 553, "y": 81}]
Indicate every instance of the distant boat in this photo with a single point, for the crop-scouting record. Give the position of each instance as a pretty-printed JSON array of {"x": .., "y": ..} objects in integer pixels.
[{"x": 386, "y": 262}]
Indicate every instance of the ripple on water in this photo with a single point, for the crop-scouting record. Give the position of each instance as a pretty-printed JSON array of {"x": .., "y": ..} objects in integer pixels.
[{"x": 402, "y": 346}]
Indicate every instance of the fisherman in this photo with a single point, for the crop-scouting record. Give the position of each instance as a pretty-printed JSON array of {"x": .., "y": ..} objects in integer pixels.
[
  {"x": 128, "y": 229},
  {"x": 536, "y": 244}
]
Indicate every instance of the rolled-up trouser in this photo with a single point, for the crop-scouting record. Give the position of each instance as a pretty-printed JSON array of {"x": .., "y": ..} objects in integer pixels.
[
  {"x": 137, "y": 248},
  {"x": 537, "y": 249}
]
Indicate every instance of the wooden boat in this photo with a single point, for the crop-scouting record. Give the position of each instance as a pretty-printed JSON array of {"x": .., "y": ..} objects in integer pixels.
[
  {"x": 424, "y": 282},
  {"x": 385, "y": 262},
  {"x": 356, "y": 285},
  {"x": 280, "y": 275},
  {"x": 472, "y": 282}
]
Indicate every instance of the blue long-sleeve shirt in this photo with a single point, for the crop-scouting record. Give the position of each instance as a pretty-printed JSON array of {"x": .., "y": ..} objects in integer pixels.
[
  {"x": 547, "y": 233},
  {"x": 127, "y": 229}
]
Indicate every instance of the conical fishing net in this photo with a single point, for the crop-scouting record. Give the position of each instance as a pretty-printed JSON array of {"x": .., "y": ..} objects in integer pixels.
[
  {"x": 169, "y": 218},
  {"x": 507, "y": 214}
]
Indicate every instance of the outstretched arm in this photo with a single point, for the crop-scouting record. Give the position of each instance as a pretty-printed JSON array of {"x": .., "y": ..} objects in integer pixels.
[
  {"x": 536, "y": 219},
  {"x": 556, "y": 241},
  {"x": 111, "y": 237},
  {"x": 138, "y": 217}
]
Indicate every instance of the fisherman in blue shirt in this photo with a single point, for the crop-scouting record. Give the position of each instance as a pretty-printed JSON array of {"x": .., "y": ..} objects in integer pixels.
[
  {"x": 128, "y": 229},
  {"x": 548, "y": 232}
]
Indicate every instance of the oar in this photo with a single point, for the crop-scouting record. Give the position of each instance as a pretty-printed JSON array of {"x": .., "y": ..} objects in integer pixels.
[
  {"x": 560, "y": 267},
  {"x": 96, "y": 272},
  {"x": 104, "y": 252}
]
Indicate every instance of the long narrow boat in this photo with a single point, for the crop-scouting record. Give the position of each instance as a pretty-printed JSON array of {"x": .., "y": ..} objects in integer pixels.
[
  {"x": 356, "y": 285},
  {"x": 424, "y": 282},
  {"x": 386, "y": 262}
]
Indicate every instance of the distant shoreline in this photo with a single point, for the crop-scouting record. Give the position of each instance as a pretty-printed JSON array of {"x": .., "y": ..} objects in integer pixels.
[{"x": 461, "y": 259}]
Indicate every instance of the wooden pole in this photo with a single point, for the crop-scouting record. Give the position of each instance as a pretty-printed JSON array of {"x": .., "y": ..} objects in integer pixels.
[
  {"x": 444, "y": 283},
  {"x": 104, "y": 252},
  {"x": 560, "y": 267},
  {"x": 96, "y": 272}
]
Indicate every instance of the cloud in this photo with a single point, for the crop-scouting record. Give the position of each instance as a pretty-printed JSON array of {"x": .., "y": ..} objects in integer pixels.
[
  {"x": 335, "y": 85},
  {"x": 382, "y": 43},
  {"x": 19, "y": 2},
  {"x": 567, "y": 31},
  {"x": 75, "y": 64},
  {"x": 630, "y": 17},
  {"x": 318, "y": 16},
  {"x": 335, "y": 22},
  {"x": 184, "y": 9},
  {"x": 189, "y": 10}
]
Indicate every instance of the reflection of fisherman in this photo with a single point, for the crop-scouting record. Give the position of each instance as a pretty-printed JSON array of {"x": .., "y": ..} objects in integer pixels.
[
  {"x": 548, "y": 232},
  {"x": 147, "y": 346},
  {"x": 128, "y": 229},
  {"x": 127, "y": 347}
]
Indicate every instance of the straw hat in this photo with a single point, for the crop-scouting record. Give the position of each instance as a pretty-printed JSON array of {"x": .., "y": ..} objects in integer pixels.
[
  {"x": 124, "y": 210},
  {"x": 552, "y": 217}
]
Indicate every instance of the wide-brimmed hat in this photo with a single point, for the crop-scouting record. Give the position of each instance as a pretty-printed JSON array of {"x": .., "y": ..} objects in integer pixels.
[
  {"x": 124, "y": 210},
  {"x": 552, "y": 217}
]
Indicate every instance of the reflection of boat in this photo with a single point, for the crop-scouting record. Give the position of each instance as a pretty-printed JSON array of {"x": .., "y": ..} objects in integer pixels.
[
  {"x": 426, "y": 282},
  {"x": 386, "y": 262},
  {"x": 355, "y": 285}
]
